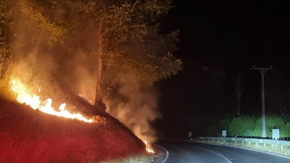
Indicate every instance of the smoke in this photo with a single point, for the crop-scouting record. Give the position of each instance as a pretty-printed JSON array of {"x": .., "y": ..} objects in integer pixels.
[
  {"x": 59, "y": 70},
  {"x": 135, "y": 109}
]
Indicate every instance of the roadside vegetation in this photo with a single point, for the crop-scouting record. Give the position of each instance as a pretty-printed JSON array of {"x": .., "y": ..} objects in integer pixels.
[
  {"x": 250, "y": 126},
  {"x": 133, "y": 159}
]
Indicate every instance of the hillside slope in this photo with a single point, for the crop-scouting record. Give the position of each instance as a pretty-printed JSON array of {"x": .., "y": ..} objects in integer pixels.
[{"x": 29, "y": 136}]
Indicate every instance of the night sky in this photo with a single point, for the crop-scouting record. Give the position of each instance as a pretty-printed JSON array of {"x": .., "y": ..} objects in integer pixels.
[{"x": 218, "y": 41}]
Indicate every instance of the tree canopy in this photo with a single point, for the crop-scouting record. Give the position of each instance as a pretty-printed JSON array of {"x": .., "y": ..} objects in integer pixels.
[{"x": 122, "y": 35}]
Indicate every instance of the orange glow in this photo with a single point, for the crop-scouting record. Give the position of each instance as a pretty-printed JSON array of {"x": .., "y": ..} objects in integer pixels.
[
  {"x": 24, "y": 96},
  {"x": 90, "y": 101},
  {"x": 149, "y": 148}
]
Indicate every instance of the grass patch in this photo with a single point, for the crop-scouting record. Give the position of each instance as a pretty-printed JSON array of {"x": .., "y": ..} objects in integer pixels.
[
  {"x": 273, "y": 148},
  {"x": 133, "y": 159}
]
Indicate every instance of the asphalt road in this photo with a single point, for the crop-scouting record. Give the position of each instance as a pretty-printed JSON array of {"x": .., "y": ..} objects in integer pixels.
[{"x": 181, "y": 152}]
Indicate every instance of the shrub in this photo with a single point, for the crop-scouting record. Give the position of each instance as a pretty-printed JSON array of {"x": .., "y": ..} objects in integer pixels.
[
  {"x": 242, "y": 126},
  {"x": 272, "y": 121},
  {"x": 285, "y": 130}
]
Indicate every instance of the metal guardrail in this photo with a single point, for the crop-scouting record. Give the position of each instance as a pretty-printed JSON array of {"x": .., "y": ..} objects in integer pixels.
[{"x": 281, "y": 143}]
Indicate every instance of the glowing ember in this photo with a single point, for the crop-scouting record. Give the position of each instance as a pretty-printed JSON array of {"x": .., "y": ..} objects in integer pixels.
[
  {"x": 25, "y": 97},
  {"x": 148, "y": 147}
]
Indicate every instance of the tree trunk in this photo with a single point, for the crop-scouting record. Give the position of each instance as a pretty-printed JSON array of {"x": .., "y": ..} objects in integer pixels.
[
  {"x": 98, "y": 98},
  {"x": 239, "y": 95}
]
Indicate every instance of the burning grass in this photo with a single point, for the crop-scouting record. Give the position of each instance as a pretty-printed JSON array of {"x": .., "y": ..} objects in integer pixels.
[
  {"x": 28, "y": 135},
  {"x": 24, "y": 96},
  {"x": 34, "y": 130}
]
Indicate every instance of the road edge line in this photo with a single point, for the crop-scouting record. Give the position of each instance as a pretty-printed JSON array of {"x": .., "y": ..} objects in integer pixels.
[
  {"x": 229, "y": 161},
  {"x": 265, "y": 152},
  {"x": 166, "y": 155}
]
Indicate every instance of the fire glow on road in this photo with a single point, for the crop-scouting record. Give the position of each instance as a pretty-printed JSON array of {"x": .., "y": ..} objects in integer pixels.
[{"x": 149, "y": 148}]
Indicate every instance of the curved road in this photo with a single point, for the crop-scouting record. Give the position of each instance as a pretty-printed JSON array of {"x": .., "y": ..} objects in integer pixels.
[{"x": 182, "y": 152}]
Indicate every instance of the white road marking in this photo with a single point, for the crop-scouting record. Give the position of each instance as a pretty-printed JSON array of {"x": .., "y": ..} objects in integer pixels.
[
  {"x": 274, "y": 154},
  {"x": 166, "y": 153},
  {"x": 229, "y": 161}
]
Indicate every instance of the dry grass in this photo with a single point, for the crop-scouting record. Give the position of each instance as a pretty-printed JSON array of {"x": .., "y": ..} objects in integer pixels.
[
  {"x": 272, "y": 148},
  {"x": 133, "y": 159}
]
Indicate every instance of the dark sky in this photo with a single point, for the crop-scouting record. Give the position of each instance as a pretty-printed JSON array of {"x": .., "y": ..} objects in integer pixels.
[
  {"x": 218, "y": 41},
  {"x": 232, "y": 33}
]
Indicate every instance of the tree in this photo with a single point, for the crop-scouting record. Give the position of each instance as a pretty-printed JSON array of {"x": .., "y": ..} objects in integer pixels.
[
  {"x": 5, "y": 49},
  {"x": 122, "y": 35},
  {"x": 127, "y": 38},
  {"x": 5, "y": 15}
]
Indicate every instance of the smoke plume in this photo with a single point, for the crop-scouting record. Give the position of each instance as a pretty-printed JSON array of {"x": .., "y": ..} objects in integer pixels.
[
  {"x": 58, "y": 71},
  {"x": 137, "y": 111}
]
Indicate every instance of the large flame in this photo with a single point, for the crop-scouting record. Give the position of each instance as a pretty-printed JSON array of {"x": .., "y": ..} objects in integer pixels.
[{"x": 24, "y": 96}]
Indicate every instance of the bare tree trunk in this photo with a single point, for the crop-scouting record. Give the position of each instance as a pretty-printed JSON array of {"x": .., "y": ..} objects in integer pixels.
[
  {"x": 98, "y": 98},
  {"x": 239, "y": 95}
]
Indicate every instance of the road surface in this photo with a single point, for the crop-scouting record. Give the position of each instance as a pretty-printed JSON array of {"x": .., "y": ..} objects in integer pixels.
[{"x": 182, "y": 152}]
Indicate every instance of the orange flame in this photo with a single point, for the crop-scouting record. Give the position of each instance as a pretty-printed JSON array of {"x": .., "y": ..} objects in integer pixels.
[
  {"x": 25, "y": 97},
  {"x": 149, "y": 148}
]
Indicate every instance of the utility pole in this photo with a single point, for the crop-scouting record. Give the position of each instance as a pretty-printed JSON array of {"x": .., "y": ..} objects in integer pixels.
[{"x": 263, "y": 70}]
